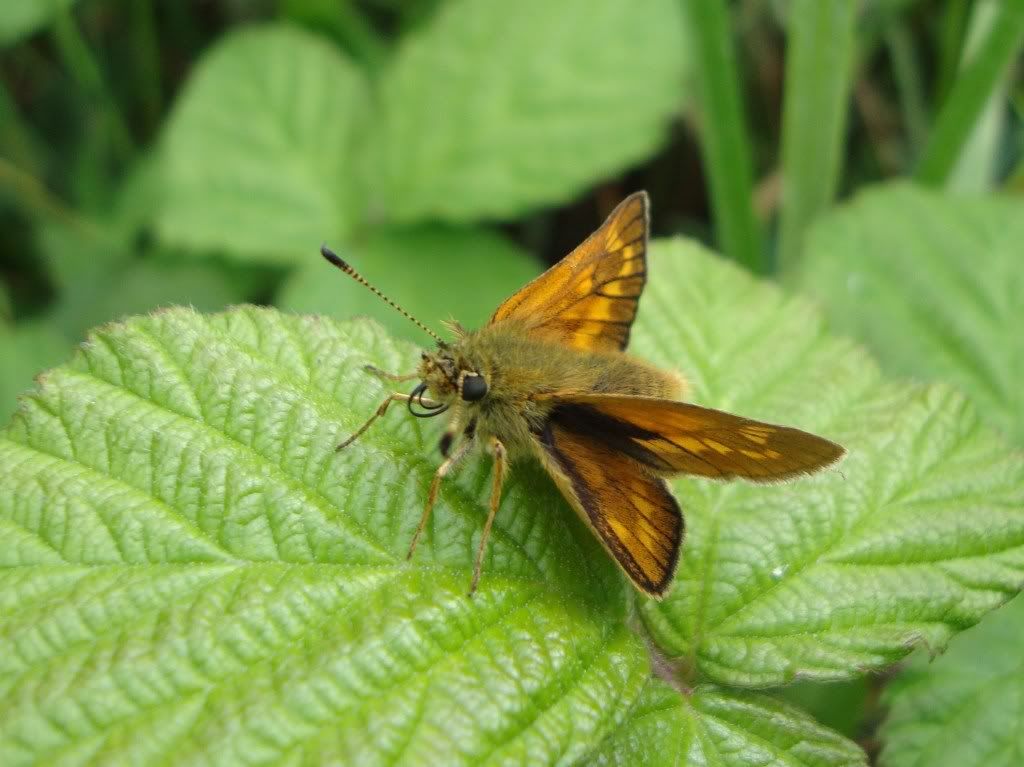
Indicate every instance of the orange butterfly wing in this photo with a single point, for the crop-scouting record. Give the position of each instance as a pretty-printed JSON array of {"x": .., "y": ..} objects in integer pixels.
[
  {"x": 679, "y": 438},
  {"x": 632, "y": 512},
  {"x": 588, "y": 299}
]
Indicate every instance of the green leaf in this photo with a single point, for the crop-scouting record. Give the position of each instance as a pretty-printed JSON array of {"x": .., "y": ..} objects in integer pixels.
[
  {"x": 819, "y": 62},
  {"x": 914, "y": 537},
  {"x": 103, "y": 279},
  {"x": 843, "y": 706},
  {"x": 933, "y": 284},
  {"x": 966, "y": 707},
  {"x": 26, "y": 349},
  {"x": 711, "y": 726},
  {"x": 20, "y": 18},
  {"x": 494, "y": 108},
  {"x": 158, "y": 281},
  {"x": 112, "y": 269},
  {"x": 190, "y": 571},
  {"x": 434, "y": 272},
  {"x": 345, "y": 22},
  {"x": 260, "y": 152}
]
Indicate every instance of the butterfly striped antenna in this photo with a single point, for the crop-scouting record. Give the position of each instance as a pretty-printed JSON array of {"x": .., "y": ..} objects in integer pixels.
[{"x": 335, "y": 259}]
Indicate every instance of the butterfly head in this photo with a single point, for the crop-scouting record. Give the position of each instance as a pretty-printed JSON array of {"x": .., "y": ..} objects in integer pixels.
[
  {"x": 451, "y": 376},
  {"x": 451, "y": 379}
]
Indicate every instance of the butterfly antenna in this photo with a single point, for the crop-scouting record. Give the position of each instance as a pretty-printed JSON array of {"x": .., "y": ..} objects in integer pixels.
[{"x": 335, "y": 259}]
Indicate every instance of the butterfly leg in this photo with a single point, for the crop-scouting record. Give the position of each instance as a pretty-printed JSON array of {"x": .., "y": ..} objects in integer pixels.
[
  {"x": 385, "y": 375},
  {"x": 435, "y": 486},
  {"x": 380, "y": 411},
  {"x": 498, "y": 451}
]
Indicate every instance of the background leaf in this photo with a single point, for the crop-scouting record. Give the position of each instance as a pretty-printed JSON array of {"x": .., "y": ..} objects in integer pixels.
[
  {"x": 260, "y": 151},
  {"x": 25, "y": 349},
  {"x": 20, "y": 18},
  {"x": 483, "y": 112},
  {"x": 918, "y": 533},
  {"x": 842, "y": 706},
  {"x": 711, "y": 726},
  {"x": 933, "y": 285},
  {"x": 435, "y": 272},
  {"x": 935, "y": 290},
  {"x": 110, "y": 279},
  {"x": 965, "y": 708},
  {"x": 110, "y": 266}
]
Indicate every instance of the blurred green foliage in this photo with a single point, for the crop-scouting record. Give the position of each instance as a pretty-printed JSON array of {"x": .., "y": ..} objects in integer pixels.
[{"x": 156, "y": 153}]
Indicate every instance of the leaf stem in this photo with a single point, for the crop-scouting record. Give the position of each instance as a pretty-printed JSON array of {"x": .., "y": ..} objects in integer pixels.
[
  {"x": 819, "y": 63},
  {"x": 977, "y": 79},
  {"x": 952, "y": 33},
  {"x": 724, "y": 138},
  {"x": 34, "y": 197},
  {"x": 909, "y": 82}
]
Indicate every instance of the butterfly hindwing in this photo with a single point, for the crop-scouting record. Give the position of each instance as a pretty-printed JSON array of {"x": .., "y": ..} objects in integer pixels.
[
  {"x": 680, "y": 438},
  {"x": 632, "y": 511},
  {"x": 588, "y": 300}
]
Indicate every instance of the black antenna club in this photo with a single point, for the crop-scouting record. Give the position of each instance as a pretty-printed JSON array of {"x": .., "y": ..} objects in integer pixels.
[{"x": 339, "y": 262}]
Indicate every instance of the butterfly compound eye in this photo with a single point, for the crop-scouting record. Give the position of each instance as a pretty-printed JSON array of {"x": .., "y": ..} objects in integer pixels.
[{"x": 474, "y": 387}]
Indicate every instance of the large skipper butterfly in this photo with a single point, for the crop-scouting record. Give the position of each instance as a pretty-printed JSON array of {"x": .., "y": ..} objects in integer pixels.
[{"x": 548, "y": 377}]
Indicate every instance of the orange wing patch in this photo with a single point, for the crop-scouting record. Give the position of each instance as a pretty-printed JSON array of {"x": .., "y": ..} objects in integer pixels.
[
  {"x": 588, "y": 300},
  {"x": 632, "y": 512},
  {"x": 680, "y": 438}
]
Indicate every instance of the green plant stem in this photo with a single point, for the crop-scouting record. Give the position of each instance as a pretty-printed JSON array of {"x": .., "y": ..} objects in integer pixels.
[
  {"x": 909, "y": 82},
  {"x": 978, "y": 78},
  {"x": 33, "y": 196},
  {"x": 84, "y": 68},
  {"x": 17, "y": 138},
  {"x": 360, "y": 37},
  {"x": 178, "y": 22},
  {"x": 147, "y": 57},
  {"x": 413, "y": 15},
  {"x": 952, "y": 33},
  {"x": 725, "y": 144},
  {"x": 819, "y": 64}
]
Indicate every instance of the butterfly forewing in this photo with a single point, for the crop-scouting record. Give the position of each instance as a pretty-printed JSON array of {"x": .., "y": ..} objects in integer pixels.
[
  {"x": 681, "y": 438},
  {"x": 588, "y": 300},
  {"x": 632, "y": 512}
]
